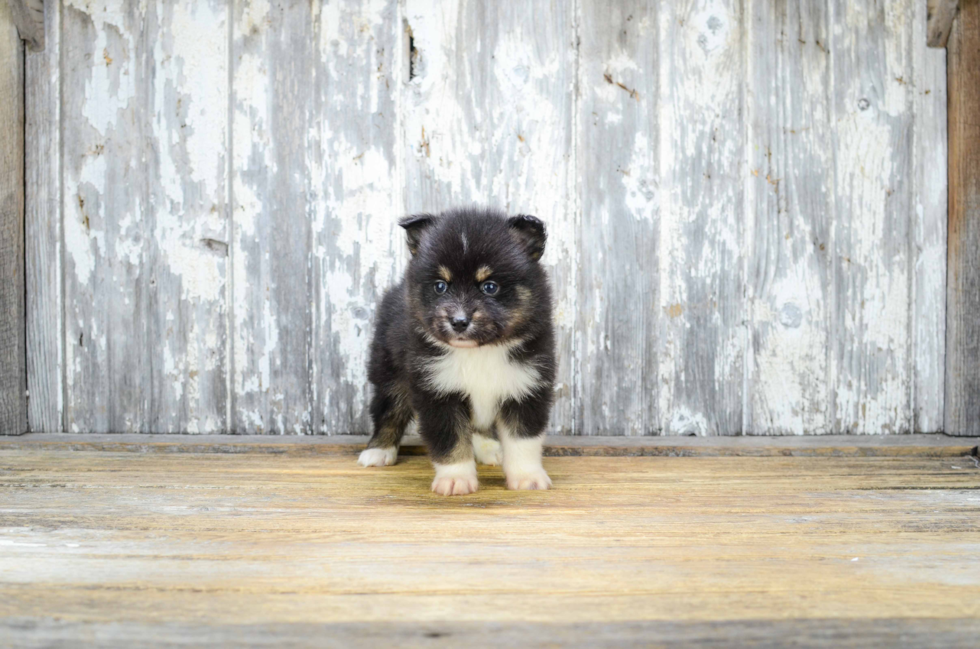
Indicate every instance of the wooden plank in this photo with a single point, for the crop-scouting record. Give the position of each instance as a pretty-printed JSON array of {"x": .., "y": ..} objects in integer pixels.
[
  {"x": 555, "y": 445},
  {"x": 939, "y": 21},
  {"x": 28, "y": 16},
  {"x": 13, "y": 360},
  {"x": 185, "y": 217},
  {"x": 929, "y": 218},
  {"x": 702, "y": 340},
  {"x": 45, "y": 336},
  {"x": 789, "y": 207},
  {"x": 103, "y": 129},
  {"x": 272, "y": 216},
  {"x": 144, "y": 216},
  {"x": 220, "y": 541},
  {"x": 352, "y": 151},
  {"x": 963, "y": 292},
  {"x": 488, "y": 119},
  {"x": 871, "y": 366},
  {"x": 618, "y": 316}
]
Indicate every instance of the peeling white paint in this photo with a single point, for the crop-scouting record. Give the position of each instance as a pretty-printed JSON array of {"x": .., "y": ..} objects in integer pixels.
[{"x": 766, "y": 318}]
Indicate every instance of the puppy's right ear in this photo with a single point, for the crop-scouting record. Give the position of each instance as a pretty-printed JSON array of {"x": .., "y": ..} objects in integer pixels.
[{"x": 416, "y": 226}]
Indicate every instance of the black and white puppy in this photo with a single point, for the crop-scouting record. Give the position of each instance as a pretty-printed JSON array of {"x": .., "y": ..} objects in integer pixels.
[{"x": 464, "y": 344}]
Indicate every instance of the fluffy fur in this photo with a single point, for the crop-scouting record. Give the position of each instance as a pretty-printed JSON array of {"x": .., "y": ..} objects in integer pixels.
[{"x": 465, "y": 345}]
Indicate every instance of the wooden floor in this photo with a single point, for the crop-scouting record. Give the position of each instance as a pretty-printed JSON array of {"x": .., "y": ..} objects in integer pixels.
[{"x": 122, "y": 548}]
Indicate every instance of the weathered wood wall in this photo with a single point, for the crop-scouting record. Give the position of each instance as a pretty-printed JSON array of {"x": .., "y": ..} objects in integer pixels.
[
  {"x": 746, "y": 202},
  {"x": 13, "y": 360}
]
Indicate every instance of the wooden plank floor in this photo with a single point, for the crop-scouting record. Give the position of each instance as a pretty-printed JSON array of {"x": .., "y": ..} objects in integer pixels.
[{"x": 201, "y": 549}]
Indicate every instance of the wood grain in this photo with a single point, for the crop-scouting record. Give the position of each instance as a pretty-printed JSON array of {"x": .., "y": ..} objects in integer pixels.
[
  {"x": 28, "y": 16},
  {"x": 929, "y": 231},
  {"x": 144, "y": 218},
  {"x": 619, "y": 316},
  {"x": 963, "y": 293},
  {"x": 871, "y": 363},
  {"x": 940, "y": 17},
  {"x": 358, "y": 249},
  {"x": 13, "y": 360},
  {"x": 43, "y": 231},
  {"x": 789, "y": 209},
  {"x": 121, "y": 542},
  {"x": 272, "y": 114},
  {"x": 702, "y": 338}
]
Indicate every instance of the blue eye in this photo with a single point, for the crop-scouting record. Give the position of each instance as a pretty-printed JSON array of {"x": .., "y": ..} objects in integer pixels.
[
  {"x": 490, "y": 288},
  {"x": 440, "y": 287}
]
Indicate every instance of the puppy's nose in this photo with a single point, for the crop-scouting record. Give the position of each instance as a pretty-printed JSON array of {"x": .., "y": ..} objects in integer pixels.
[{"x": 459, "y": 322}]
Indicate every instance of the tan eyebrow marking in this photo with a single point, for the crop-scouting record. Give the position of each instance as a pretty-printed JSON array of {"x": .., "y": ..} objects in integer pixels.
[
  {"x": 445, "y": 274},
  {"x": 483, "y": 272}
]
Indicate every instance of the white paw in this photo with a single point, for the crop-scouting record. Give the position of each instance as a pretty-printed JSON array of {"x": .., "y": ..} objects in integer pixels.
[
  {"x": 487, "y": 450},
  {"x": 378, "y": 456},
  {"x": 455, "y": 479},
  {"x": 533, "y": 479}
]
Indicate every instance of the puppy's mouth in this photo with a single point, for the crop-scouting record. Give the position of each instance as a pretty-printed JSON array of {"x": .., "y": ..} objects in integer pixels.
[{"x": 462, "y": 343}]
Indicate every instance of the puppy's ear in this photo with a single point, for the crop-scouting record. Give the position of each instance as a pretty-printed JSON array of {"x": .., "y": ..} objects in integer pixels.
[
  {"x": 529, "y": 231},
  {"x": 416, "y": 226}
]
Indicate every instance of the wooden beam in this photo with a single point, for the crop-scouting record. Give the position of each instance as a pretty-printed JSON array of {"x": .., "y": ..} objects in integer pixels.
[
  {"x": 28, "y": 16},
  {"x": 940, "y": 15},
  {"x": 13, "y": 361},
  {"x": 963, "y": 252},
  {"x": 42, "y": 230}
]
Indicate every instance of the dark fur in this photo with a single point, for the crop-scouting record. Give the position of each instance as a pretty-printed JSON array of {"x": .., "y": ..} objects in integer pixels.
[{"x": 411, "y": 313}]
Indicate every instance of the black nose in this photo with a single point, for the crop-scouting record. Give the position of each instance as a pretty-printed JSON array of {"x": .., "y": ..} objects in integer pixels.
[{"x": 460, "y": 323}]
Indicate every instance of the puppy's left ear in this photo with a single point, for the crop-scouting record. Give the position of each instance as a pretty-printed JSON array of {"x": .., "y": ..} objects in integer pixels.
[{"x": 529, "y": 231}]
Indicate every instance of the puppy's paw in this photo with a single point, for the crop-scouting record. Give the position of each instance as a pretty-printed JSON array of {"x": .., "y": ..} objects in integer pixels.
[
  {"x": 529, "y": 479},
  {"x": 378, "y": 456},
  {"x": 487, "y": 450},
  {"x": 455, "y": 479}
]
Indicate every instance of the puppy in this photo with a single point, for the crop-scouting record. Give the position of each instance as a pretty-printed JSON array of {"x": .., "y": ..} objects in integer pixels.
[{"x": 465, "y": 345}]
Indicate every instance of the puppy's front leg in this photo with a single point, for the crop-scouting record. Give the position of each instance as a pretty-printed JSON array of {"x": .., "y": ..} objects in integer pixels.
[
  {"x": 444, "y": 424},
  {"x": 520, "y": 426}
]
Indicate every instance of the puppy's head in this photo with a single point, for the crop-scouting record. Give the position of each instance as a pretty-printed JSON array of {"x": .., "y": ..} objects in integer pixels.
[{"x": 474, "y": 278}]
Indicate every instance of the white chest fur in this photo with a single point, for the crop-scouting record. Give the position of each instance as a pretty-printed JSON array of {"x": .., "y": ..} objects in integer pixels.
[{"x": 486, "y": 375}]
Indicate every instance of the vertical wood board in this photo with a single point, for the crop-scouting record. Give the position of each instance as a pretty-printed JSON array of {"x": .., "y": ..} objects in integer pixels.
[
  {"x": 962, "y": 415},
  {"x": 702, "y": 339},
  {"x": 43, "y": 234},
  {"x": 13, "y": 373},
  {"x": 929, "y": 231},
  {"x": 871, "y": 365},
  {"x": 618, "y": 311},
  {"x": 358, "y": 251},
  {"x": 272, "y": 113},
  {"x": 790, "y": 211}
]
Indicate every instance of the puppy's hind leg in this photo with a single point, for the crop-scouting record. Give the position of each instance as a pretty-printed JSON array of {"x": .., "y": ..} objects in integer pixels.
[
  {"x": 487, "y": 450},
  {"x": 391, "y": 414}
]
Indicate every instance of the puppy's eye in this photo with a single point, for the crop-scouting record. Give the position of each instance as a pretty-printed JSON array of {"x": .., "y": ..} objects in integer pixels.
[
  {"x": 440, "y": 287},
  {"x": 490, "y": 288}
]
